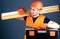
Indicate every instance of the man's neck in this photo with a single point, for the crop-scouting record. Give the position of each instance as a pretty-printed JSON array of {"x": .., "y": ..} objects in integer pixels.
[{"x": 35, "y": 16}]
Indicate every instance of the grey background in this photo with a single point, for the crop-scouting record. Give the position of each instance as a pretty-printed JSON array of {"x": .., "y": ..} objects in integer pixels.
[{"x": 14, "y": 29}]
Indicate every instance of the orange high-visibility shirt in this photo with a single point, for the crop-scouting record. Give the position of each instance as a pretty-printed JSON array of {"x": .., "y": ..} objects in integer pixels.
[{"x": 39, "y": 22}]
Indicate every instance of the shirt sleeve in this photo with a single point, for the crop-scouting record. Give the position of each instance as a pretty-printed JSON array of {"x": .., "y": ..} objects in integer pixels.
[
  {"x": 46, "y": 20},
  {"x": 25, "y": 18}
]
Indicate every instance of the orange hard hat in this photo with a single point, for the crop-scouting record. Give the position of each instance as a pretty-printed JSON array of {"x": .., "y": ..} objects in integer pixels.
[{"x": 37, "y": 4}]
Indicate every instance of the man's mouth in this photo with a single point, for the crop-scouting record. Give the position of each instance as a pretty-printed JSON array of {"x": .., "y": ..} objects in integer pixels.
[{"x": 32, "y": 13}]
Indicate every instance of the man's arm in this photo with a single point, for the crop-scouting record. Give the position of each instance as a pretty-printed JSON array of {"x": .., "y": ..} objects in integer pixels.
[
  {"x": 20, "y": 18},
  {"x": 54, "y": 25},
  {"x": 51, "y": 24}
]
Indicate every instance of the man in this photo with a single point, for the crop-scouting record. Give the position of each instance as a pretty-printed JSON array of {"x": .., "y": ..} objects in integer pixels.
[{"x": 38, "y": 21}]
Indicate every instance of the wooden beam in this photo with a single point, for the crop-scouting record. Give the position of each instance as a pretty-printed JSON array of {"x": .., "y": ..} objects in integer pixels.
[
  {"x": 50, "y": 9},
  {"x": 14, "y": 14}
]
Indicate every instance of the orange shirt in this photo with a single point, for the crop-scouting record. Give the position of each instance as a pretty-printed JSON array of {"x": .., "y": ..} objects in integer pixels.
[{"x": 39, "y": 23}]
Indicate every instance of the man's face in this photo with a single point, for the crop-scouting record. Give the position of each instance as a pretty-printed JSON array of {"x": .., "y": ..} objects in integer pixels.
[{"x": 35, "y": 11}]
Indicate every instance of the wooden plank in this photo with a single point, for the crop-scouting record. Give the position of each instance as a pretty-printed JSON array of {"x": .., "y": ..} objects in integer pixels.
[
  {"x": 50, "y": 9},
  {"x": 14, "y": 14}
]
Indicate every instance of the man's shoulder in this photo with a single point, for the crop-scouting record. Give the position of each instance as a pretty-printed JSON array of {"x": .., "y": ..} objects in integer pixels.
[
  {"x": 42, "y": 15},
  {"x": 25, "y": 18},
  {"x": 46, "y": 19}
]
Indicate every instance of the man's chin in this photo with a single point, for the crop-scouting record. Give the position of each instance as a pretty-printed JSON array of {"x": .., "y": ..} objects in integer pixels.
[{"x": 33, "y": 15}]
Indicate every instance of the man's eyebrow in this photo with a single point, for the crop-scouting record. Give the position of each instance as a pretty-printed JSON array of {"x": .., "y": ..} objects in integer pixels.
[
  {"x": 33, "y": 9},
  {"x": 39, "y": 9}
]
